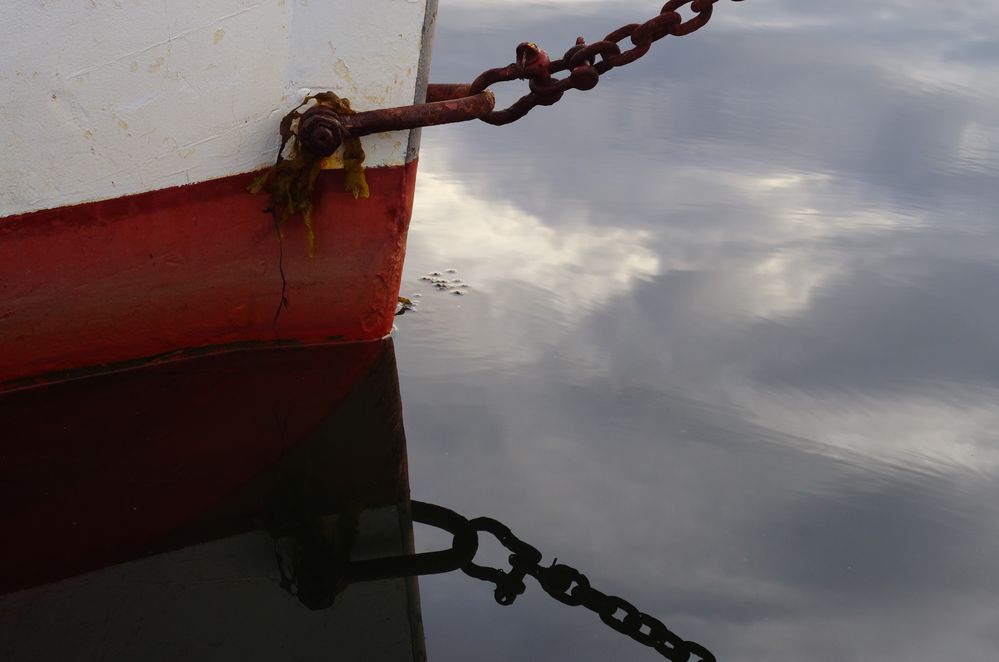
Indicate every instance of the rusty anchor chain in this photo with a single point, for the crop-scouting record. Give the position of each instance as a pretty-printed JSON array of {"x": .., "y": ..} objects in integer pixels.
[{"x": 321, "y": 130}]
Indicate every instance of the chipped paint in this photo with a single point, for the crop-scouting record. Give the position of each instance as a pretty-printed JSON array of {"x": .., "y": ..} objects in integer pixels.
[{"x": 342, "y": 70}]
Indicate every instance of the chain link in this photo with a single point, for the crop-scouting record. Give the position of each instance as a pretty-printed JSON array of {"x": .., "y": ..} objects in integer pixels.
[{"x": 581, "y": 61}]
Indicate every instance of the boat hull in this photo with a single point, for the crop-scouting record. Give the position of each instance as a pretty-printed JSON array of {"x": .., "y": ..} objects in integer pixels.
[
  {"x": 130, "y": 134},
  {"x": 196, "y": 269}
]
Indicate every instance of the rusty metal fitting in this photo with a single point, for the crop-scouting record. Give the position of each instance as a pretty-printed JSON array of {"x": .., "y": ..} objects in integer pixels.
[
  {"x": 447, "y": 111},
  {"x": 321, "y": 130}
]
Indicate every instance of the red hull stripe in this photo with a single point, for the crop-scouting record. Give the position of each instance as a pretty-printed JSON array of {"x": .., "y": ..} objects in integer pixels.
[{"x": 195, "y": 269}]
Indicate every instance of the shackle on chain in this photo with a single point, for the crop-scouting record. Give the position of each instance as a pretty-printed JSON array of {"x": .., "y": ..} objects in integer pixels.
[{"x": 321, "y": 130}]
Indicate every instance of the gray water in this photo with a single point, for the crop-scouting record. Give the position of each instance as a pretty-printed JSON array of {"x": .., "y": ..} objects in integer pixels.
[{"x": 728, "y": 343}]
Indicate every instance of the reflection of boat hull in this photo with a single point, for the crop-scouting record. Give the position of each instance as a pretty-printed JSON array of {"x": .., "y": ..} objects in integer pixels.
[
  {"x": 160, "y": 499},
  {"x": 130, "y": 134},
  {"x": 216, "y": 601}
]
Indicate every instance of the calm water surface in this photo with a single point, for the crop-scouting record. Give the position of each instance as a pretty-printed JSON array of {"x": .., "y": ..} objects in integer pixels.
[{"x": 728, "y": 344}]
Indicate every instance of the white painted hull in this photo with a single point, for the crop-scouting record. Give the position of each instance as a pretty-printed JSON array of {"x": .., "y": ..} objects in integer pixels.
[{"x": 104, "y": 99}]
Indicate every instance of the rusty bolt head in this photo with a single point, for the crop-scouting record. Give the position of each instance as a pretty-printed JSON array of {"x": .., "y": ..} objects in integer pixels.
[{"x": 320, "y": 131}]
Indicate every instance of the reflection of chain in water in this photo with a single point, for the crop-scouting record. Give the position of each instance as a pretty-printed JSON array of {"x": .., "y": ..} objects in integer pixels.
[
  {"x": 564, "y": 583},
  {"x": 571, "y": 587}
]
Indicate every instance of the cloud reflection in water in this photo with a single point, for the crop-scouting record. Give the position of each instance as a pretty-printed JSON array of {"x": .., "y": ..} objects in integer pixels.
[{"x": 730, "y": 346}]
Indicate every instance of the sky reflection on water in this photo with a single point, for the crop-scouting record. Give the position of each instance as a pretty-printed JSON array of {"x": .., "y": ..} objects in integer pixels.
[{"x": 729, "y": 342}]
